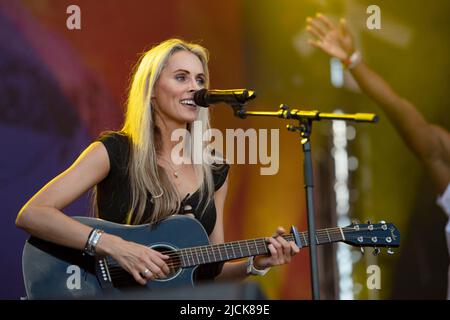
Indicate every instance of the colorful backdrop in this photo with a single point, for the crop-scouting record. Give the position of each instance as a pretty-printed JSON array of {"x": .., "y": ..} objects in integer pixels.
[{"x": 60, "y": 88}]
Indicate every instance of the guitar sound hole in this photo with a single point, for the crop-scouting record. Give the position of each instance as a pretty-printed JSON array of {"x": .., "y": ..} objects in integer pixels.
[
  {"x": 121, "y": 278},
  {"x": 174, "y": 262}
]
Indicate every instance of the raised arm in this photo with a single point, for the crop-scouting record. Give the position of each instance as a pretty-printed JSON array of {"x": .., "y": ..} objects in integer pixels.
[{"x": 430, "y": 143}]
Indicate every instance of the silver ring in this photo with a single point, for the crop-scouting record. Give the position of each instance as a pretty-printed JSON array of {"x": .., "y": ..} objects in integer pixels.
[{"x": 145, "y": 272}]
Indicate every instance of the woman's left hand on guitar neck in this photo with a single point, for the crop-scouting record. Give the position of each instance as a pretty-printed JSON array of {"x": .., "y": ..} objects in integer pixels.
[{"x": 281, "y": 251}]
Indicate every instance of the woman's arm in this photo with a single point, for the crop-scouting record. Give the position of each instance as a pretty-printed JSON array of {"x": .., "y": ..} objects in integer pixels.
[
  {"x": 230, "y": 270},
  {"x": 428, "y": 142},
  {"x": 280, "y": 249},
  {"x": 42, "y": 216}
]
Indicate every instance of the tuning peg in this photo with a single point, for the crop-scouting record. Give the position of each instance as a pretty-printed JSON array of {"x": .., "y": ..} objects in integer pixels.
[
  {"x": 376, "y": 251},
  {"x": 362, "y": 249},
  {"x": 390, "y": 251}
]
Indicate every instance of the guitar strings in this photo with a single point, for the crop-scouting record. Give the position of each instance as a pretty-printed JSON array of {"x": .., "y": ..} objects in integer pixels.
[
  {"x": 176, "y": 256},
  {"x": 174, "y": 264},
  {"x": 236, "y": 245}
]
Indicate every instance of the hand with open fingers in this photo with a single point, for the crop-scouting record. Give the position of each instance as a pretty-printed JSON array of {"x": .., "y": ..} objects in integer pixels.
[
  {"x": 142, "y": 262},
  {"x": 332, "y": 39},
  {"x": 281, "y": 251}
]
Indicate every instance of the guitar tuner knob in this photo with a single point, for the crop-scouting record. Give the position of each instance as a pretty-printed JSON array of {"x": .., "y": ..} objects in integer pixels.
[
  {"x": 390, "y": 251},
  {"x": 376, "y": 251}
]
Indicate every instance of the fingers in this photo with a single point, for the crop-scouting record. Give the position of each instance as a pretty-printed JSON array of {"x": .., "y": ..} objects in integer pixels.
[
  {"x": 138, "y": 277},
  {"x": 327, "y": 22},
  {"x": 320, "y": 25},
  {"x": 312, "y": 31},
  {"x": 142, "y": 262},
  {"x": 273, "y": 251},
  {"x": 294, "y": 248},
  {"x": 156, "y": 264},
  {"x": 153, "y": 271},
  {"x": 315, "y": 43},
  {"x": 343, "y": 27},
  {"x": 280, "y": 231},
  {"x": 280, "y": 249},
  {"x": 149, "y": 272},
  {"x": 146, "y": 274},
  {"x": 316, "y": 27},
  {"x": 285, "y": 249},
  {"x": 161, "y": 264}
]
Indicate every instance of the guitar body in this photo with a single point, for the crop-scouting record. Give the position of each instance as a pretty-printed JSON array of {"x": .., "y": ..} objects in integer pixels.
[{"x": 55, "y": 272}]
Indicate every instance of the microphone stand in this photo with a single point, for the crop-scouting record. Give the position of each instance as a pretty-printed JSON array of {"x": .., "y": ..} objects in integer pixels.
[{"x": 305, "y": 119}]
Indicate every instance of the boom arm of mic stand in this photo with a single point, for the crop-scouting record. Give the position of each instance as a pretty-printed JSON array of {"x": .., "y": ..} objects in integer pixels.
[
  {"x": 285, "y": 113},
  {"x": 305, "y": 119}
]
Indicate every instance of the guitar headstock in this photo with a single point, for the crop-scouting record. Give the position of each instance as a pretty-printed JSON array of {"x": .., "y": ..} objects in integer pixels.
[{"x": 372, "y": 235}]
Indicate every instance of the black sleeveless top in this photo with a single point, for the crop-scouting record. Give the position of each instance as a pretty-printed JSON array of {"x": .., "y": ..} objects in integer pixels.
[
  {"x": 114, "y": 196},
  {"x": 114, "y": 192}
]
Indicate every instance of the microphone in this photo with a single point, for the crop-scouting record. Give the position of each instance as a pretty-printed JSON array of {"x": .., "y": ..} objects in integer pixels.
[{"x": 204, "y": 97}]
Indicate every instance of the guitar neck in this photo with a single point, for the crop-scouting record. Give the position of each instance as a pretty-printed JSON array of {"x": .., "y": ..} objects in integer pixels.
[{"x": 240, "y": 249}]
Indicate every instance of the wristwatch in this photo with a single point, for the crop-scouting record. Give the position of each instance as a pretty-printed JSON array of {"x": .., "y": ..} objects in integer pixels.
[{"x": 253, "y": 271}]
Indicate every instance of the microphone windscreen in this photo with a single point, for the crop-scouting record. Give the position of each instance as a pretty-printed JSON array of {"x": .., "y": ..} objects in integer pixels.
[{"x": 200, "y": 98}]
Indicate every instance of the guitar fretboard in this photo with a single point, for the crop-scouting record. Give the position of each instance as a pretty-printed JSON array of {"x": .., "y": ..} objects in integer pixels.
[{"x": 240, "y": 249}]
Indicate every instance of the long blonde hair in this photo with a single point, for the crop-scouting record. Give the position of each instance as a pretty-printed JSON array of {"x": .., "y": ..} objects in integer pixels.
[{"x": 147, "y": 179}]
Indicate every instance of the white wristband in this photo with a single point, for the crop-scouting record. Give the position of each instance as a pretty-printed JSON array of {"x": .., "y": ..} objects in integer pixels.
[
  {"x": 354, "y": 60},
  {"x": 253, "y": 271}
]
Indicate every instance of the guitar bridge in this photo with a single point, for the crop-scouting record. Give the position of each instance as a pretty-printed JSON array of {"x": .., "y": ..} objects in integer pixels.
[{"x": 102, "y": 272}]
